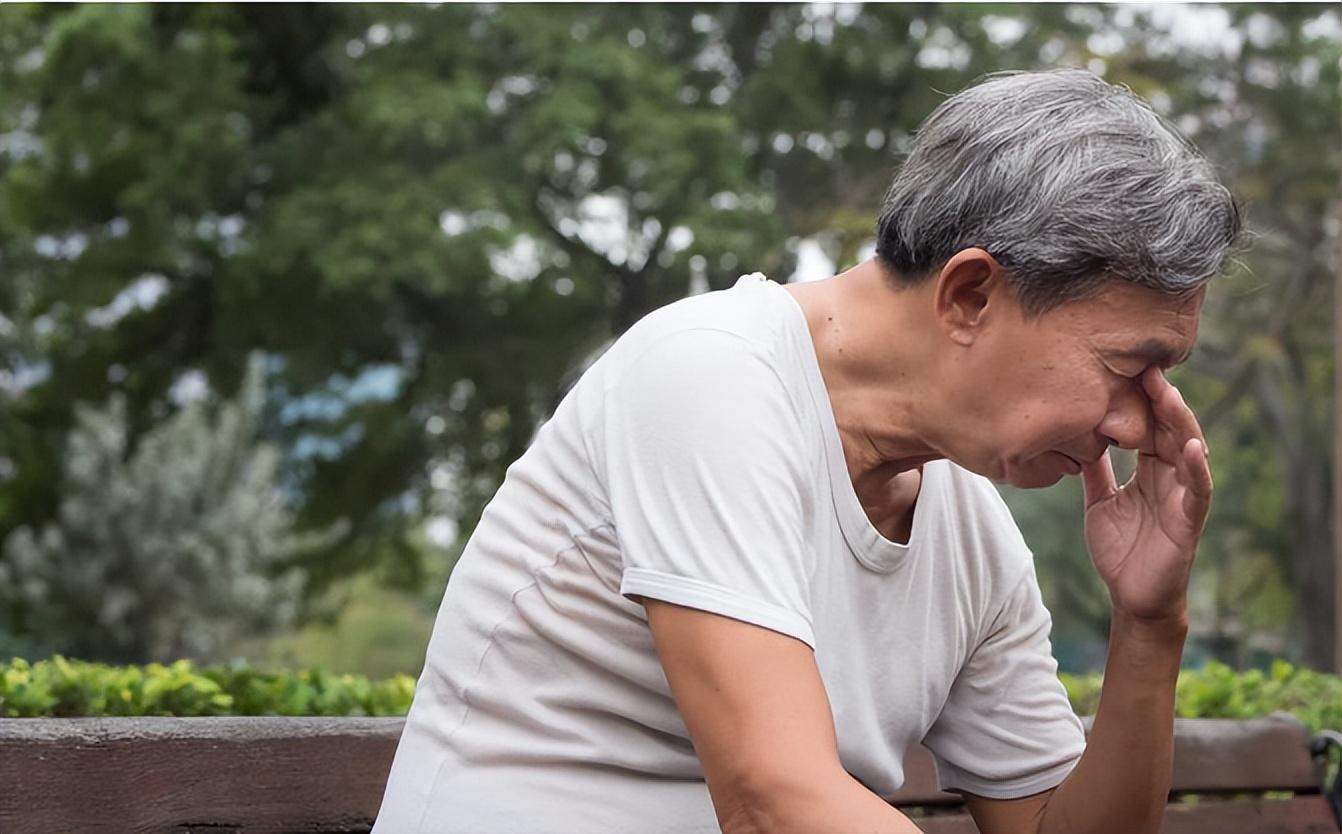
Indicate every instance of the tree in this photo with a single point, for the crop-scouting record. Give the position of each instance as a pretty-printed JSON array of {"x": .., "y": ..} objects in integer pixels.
[
  {"x": 459, "y": 200},
  {"x": 165, "y": 550},
  {"x": 424, "y": 215}
]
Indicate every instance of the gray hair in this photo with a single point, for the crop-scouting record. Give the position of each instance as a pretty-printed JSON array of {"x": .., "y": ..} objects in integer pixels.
[{"x": 1068, "y": 181}]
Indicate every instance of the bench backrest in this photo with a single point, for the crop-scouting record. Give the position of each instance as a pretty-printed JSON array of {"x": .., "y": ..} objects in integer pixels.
[{"x": 284, "y": 774}]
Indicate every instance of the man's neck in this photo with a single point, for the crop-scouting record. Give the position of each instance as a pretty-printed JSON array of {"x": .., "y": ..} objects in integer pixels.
[{"x": 872, "y": 357}]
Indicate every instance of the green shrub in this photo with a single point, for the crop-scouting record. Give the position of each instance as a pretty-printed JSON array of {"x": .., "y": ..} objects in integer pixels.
[
  {"x": 62, "y": 687},
  {"x": 1217, "y": 691}
]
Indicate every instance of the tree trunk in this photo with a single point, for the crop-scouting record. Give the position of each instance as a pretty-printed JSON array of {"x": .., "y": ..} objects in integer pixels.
[
  {"x": 1313, "y": 558},
  {"x": 1337, "y": 454},
  {"x": 1309, "y": 564}
]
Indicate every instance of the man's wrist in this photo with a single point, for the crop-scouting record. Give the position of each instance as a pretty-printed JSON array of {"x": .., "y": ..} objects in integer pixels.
[
  {"x": 1144, "y": 654},
  {"x": 1170, "y": 628}
]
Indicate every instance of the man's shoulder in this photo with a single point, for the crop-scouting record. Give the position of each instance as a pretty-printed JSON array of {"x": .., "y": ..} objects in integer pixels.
[
  {"x": 746, "y": 312},
  {"x": 733, "y": 338},
  {"x": 688, "y": 333}
]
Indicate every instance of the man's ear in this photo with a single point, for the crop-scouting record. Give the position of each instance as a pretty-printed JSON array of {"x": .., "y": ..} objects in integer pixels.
[{"x": 967, "y": 292}]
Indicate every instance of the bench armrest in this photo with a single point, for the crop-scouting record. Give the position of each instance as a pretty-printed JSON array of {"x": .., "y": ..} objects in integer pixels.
[{"x": 1319, "y": 748}]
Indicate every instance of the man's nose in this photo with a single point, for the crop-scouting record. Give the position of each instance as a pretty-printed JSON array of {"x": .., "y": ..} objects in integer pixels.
[{"x": 1128, "y": 421}]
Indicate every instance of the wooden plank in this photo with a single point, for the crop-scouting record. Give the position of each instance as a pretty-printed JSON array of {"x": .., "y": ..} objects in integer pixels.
[
  {"x": 1258, "y": 754},
  {"x": 961, "y": 823},
  {"x": 1301, "y": 815},
  {"x": 261, "y": 775},
  {"x": 1211, "y": 755},
  {"x": 920, "y": 782},
  {"x": 284, "y": 774}
]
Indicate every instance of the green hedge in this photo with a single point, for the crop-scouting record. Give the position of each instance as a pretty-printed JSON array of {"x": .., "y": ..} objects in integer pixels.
[
  {"x": 64, "y": 688},
  {"x": 61, "y": 687},
  {"x": 1218, "y": 691}
]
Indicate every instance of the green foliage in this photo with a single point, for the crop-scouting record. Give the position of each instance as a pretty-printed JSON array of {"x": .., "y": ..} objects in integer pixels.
[
  {"x": 1217, "y": 691},
  {"x": 166, "y": 549},
  {"x": 379, "y": 632},
  {"x": 66, "y": 688},
  {"x": 61, "y": 688},
  {"x": 347, "y": 188}
]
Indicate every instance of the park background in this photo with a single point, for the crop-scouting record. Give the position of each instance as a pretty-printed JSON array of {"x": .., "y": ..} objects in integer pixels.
[{"x": 284, "y": 290}]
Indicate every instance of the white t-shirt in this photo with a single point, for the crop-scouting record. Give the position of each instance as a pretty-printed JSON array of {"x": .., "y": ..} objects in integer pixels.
[{"x": 698, "y": 462}]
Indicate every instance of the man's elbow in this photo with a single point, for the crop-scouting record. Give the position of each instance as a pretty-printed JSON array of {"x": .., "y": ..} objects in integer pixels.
[
  {"x": 766, "y": 802},
  {"x": 740, "y": 815}
]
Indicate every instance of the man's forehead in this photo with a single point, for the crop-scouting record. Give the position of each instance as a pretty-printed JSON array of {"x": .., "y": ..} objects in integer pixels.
[{"x": 1136, "y": 323}]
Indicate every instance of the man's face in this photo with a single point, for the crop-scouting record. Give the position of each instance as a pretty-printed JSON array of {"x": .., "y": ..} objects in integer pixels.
[{"x": 1054, "y": 392}]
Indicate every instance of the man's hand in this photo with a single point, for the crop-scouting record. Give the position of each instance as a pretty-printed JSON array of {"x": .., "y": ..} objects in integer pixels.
[{"x": 1143, "y": 536}]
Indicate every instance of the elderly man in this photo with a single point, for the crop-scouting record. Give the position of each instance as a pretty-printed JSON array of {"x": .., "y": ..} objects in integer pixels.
[{"x": 756, "y": 554}]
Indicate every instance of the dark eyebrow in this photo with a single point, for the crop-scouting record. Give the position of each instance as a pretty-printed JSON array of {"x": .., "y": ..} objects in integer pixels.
[{"x": 1154, "y": 352}]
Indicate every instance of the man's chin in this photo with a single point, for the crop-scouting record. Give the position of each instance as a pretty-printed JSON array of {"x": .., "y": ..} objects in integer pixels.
[{"x": 1031, "y": 478}]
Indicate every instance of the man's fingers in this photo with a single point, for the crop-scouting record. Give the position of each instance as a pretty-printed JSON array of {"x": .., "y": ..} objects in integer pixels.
[
  {"x": 1097, "y": 480},
  {"x": 1198, "y": 488},
  {"x": 1175, "y": 423}
]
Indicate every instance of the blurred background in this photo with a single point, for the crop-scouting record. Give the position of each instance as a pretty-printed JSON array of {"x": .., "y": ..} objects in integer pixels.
[{"x": 284, "y": 290}]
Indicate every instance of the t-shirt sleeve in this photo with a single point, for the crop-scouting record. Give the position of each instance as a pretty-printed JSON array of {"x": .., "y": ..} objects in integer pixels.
[
  {"x": 1007, "y": 729},
  {"x": 705, "y": 465}
]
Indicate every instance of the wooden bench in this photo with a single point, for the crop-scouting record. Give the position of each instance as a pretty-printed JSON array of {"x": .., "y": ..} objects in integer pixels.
[{"x": 326, "y": 775}]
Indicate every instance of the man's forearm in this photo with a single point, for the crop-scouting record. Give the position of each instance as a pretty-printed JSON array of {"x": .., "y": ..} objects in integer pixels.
[{"x": 1122, "y": 782}]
